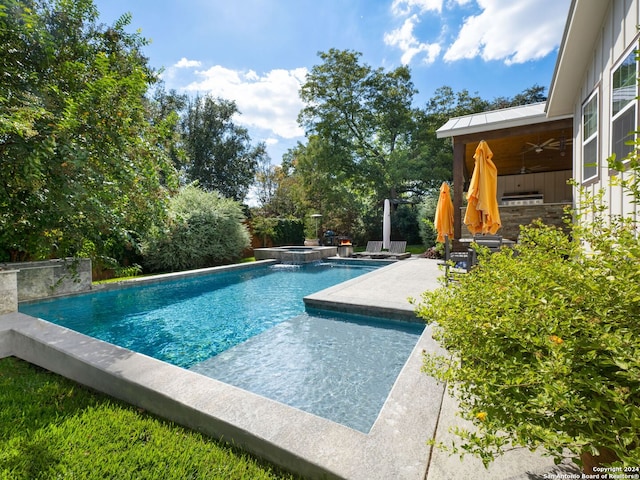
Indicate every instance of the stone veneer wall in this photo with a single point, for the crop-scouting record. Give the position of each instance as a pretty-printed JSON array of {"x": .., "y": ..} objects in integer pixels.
[
  {"x": 8, "y": 291},
  {"x": 51, "y": 277},
  {"x": 512, "y": 216}
]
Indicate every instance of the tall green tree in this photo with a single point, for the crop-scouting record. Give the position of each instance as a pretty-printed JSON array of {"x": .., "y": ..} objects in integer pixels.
[
  {"x": 533, "y": 94},
  {"x": 220, "y": 154},
  {"x": 364, "y": 114},
  {"x": 430, "y": 159},
  {"x": 79, "y": 162},
  {"x": 165, "y": 111}
]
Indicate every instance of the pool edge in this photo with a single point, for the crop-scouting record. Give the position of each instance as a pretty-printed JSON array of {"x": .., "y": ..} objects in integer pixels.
[{"x": 298, "y": 441}]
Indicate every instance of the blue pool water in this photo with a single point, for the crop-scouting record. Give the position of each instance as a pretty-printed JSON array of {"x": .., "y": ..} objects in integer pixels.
[{"x": 249, "y": 328}]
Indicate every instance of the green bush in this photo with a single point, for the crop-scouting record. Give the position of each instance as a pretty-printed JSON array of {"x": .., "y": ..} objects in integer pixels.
[
  {"x": 203, "y": 230},
  {"x": 289, "y": 231},
  {"x": 404, "y": 224},
  {"x": 426, "y": 215},
  {"x": 544, "y": 341}
]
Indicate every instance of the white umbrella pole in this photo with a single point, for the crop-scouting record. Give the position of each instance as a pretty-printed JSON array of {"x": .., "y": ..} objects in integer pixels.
[{"x": 386, "y": 224}]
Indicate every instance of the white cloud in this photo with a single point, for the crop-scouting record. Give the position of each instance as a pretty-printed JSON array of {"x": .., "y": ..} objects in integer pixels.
[
  {"x": 184, "y": 63},
  {"x": 511, "y": 31},
  {"x": 405, "y": 40},
  {"x": 402, "y": 8},
  {"x": 268, "y": 102}
]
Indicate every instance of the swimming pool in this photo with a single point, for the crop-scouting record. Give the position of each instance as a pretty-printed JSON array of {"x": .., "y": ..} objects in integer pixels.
[{"x": 257, "y": 318}]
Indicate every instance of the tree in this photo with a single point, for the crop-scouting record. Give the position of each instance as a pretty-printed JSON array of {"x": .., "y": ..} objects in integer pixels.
[
  {"x": 266, "y": 183},
  {"x": 363, "y": 114},
  {"x": 220, "y": 154},
  {"x": 165, "y": 110},
  {"x": 533, "y": 94},
  {"x": 80, "y": 165}
]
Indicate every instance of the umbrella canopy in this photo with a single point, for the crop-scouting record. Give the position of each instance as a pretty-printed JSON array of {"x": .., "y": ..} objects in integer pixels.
[
  {"x": 482, "y": 214},
  {"x": 386, "y": 224},
  {"x": 443, "y": 220}
]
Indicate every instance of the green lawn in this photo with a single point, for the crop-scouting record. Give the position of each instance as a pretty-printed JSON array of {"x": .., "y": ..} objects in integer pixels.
[{"x": 51, "y": 427}]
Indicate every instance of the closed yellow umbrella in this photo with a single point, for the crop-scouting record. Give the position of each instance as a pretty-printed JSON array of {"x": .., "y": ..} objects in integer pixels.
[
  {"x": 443, "y": 220},
  {"x": 482, "y": 215}
]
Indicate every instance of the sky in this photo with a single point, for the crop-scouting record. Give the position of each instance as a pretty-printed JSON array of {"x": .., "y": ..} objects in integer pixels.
[{"x": 257, "y": 52}]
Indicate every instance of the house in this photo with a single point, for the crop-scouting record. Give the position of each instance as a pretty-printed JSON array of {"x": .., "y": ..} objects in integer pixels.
[
  {"x": 533, "y": 155},
  {"x": 591, "y": 109},
  {"x": 596, "y": 80}
]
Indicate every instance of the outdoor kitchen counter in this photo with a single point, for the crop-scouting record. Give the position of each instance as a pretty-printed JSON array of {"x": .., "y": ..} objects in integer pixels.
[{"x": 512, "y": 216}]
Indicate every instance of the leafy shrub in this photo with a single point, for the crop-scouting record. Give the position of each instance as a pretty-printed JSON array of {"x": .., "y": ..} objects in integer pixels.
[
  {"x": 130, "y": 271},
  {"x": 426, "y": 214},
  {"x": 404, "y": 224},
  {"x": 264, "y": 228},
  {"x": 288, "y": 231},
  {"x": 544, "y": 341},
  {"x": 203, "y": 230}
]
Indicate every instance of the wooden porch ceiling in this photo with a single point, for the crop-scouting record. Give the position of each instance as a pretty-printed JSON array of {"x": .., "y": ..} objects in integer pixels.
[{"x": 515, "y": 148}]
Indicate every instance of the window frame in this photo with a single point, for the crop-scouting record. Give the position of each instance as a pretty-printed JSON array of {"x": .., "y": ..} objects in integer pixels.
[
  {"x": 592, "y": 99},
  {"x": 632, "y": 103}
]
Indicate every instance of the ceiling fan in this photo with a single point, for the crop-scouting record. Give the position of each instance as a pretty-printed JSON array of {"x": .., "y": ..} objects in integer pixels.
[
  {"x": 551, "y": 144},
  {"x": 524, "y": 169}
]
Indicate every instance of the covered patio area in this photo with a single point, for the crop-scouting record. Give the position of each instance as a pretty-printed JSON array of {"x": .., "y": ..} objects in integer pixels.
[{"x": 534, "y": 158}]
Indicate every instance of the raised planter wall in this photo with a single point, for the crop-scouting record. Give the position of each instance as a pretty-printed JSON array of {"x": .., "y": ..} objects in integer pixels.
[{"x": 51, "y": 278}]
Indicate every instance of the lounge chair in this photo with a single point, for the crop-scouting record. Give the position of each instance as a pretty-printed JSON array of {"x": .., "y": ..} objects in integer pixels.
[
  {"x": 397, "y": 249},
  {"x": 373, "y": 248}
]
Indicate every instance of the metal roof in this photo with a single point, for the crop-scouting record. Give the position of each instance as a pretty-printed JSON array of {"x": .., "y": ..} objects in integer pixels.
[{"x": 495, "y": 120}]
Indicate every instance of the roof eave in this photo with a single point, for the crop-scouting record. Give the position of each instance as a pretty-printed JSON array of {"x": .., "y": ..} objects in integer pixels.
[
  {"x": 584, "y": 22},
  {"x": 512, "y": 117}
]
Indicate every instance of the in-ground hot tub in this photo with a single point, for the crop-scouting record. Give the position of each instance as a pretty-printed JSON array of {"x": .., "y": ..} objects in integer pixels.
[{"x": 295, "y": 254}]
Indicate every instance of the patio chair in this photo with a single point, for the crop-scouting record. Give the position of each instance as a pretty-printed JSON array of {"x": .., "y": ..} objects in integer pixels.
[
  {"x": 492, "y": 242},
  {"x": 455, "y": 263},
  {"x": 374, "y": 247}
]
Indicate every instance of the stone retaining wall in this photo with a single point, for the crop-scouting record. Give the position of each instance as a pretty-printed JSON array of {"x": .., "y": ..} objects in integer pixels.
[{"x": 51, "y": 278}]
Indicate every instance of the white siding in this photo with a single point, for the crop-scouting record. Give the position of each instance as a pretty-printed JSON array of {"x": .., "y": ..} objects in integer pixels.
[{"x": 617, "y": 34}]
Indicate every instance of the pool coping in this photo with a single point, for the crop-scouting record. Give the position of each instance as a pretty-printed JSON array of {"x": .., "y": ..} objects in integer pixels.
[{"x": 298, "y": 441}]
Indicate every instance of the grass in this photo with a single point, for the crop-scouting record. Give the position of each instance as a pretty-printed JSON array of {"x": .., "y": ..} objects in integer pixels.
[
  {"x": 416, "y": 249},
  {"x": 51, "y": 427}
]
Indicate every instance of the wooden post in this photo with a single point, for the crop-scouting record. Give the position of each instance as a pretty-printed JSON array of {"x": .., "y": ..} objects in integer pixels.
[{"x": 458, "y": 186}]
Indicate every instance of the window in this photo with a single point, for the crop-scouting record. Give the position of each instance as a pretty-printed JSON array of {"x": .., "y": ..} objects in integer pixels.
[
  {"x": 623, "y": 106},
  {"x": 590, "y": 138}
]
